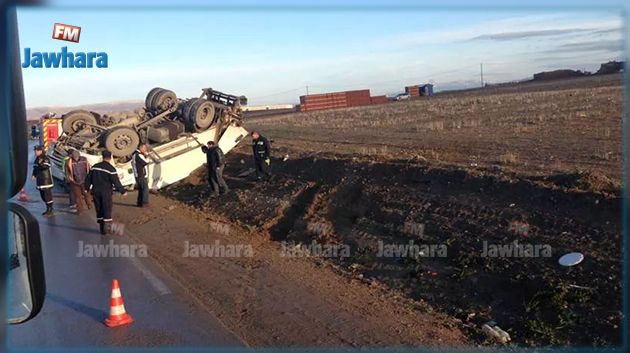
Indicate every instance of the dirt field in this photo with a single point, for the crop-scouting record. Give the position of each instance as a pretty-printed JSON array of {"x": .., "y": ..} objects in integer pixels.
[
  {"x": 455, "y": 176},
  {"x": 560, "y": 128},
  {"x": 272, "y": 300}
]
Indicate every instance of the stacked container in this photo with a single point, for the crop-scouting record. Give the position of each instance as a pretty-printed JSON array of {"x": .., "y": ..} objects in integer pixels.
[
  {"x": 379, "y": 99},
  {"x": 335, "y": 100},
  {"x": 413, "y": 91},
  {"x": 419, "y": 90},
  {"x": 357, "y": 98},
  {"x": 426, "y": 90}
]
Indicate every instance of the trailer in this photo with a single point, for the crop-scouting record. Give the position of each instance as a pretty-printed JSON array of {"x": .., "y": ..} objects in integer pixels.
[{"x": 174, "y": 147}]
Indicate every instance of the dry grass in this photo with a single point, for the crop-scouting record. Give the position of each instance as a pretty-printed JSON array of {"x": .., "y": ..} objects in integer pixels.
[
  {"x": 574, "y": 128},
  {"x": 508, "y": 158}
]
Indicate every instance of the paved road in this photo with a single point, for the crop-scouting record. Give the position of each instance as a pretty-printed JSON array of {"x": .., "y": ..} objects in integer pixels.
[{"x": 78, "y": 292}]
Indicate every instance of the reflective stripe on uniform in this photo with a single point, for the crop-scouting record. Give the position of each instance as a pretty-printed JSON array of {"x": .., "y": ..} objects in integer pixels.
[{"x": 104, "y": 170}]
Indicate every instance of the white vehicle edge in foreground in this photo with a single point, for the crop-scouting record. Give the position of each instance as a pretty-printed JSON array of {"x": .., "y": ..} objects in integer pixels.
[{"x": 168, "y": 163}]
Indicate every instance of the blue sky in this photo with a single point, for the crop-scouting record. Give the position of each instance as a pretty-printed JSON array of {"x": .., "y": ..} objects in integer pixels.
[{"x": 271, "y": 56}]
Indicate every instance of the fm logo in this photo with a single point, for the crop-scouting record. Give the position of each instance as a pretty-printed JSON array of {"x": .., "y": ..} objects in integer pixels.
[
  {"x": 64, "y": 58},
  {"x": 66, "y": 32}
]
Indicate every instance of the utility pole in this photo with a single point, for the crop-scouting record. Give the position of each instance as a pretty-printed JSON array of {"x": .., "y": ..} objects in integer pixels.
[
  {"x": 307, "y": 90},
  {"x": 481, "y": 66}
]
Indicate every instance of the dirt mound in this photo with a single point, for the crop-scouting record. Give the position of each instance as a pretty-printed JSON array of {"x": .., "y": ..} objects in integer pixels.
[
  {"x": 595, "y": 181},
  {"x": 591, "y": 181}
]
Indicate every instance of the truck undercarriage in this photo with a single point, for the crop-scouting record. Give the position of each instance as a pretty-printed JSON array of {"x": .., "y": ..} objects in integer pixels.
[
  {"x": 173, "y": 128},
  {"x": 164, "y": 118}
]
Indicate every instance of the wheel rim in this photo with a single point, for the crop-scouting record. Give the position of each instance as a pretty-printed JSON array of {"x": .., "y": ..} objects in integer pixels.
[
  {"x": 122, "y": 141},
  {"x": 78, "y": 124},
  {"x": 203, "y": 118},
  {"x": 168, "y": 103}
]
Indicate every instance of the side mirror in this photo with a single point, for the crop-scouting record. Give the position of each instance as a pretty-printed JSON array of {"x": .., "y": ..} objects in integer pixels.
[{"x": 26, "y": 281}]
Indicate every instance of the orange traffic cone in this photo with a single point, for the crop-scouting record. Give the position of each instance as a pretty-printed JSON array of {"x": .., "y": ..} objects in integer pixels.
[
  {"x": 117, "y": 314},
  {"x": 23, "y": 196}
]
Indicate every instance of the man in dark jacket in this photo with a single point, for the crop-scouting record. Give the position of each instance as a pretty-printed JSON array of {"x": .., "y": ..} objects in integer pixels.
[
  {"x": 78, "y": 169},
  {"x": 101, "y": 179},
  {"x": 262, "y": 156},
  {"x": 140, "y": 172},
  {"x": 216, "y": 162},
  {"x": 43, "y": 179}
]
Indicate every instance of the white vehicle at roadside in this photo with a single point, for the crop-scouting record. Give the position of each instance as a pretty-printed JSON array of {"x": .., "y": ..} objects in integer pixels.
[{"x": 402, "y": 97}]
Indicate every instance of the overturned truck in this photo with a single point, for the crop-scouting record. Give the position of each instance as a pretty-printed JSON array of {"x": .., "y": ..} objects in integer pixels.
[{"x": 174, "y": 129}]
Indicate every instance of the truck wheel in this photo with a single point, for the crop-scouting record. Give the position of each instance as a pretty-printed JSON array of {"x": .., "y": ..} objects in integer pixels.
[
  {"x": 75, "y": 120},
  {"x": 163, "y": 100},
  {"x": 186, "y": 111},
  {"x": 150, "y": 95},
  {"x": 199, "y": 114},
  {"x": 121, "y": 141}
]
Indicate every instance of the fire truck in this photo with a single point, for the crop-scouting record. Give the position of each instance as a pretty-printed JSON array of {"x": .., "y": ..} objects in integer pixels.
[{"x": 50, "y": 128}]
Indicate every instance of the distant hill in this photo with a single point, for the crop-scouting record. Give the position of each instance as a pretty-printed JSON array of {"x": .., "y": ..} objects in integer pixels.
[
  {"x": 36, "y": 112},
  {"x": 558, "y": 74},
  {"x": 608, "y": 68}
]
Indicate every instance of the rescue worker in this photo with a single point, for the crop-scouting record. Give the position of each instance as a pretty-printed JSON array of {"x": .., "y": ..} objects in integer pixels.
[
  {"x": 100, "y": 180},
  {"x": 34, "y": 132},
  {"x": 140, "y": 172},
  {"x": 78, "y": 169},
  {"x": 215, "y": 161},
  {"x": 43, "y": 178},
  {"x": 72, "y": 203},
  {"x": 262, "y": 156}
]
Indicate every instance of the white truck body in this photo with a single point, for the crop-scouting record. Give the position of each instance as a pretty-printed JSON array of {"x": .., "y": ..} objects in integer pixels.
[{"x": 169, "y": 162}]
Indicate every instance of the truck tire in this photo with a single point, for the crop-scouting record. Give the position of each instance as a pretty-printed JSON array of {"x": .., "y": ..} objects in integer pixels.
[
  {"x": 185, "y": 111},
  {"x": 163, "y": 100},
  {"x": 199, "y": 114},
  {"x": 150, "y": 95},
  {"x": 121, "y": 141},
  {"x": 75, "y": 120}
]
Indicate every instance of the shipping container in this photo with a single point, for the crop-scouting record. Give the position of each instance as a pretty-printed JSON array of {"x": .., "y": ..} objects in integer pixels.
[
  {"x": 426, "y": 90},
  {"x": 335, "y": 100},
  {"x": 379, "y": 99},
  {"x": 413, "y": 91}
]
